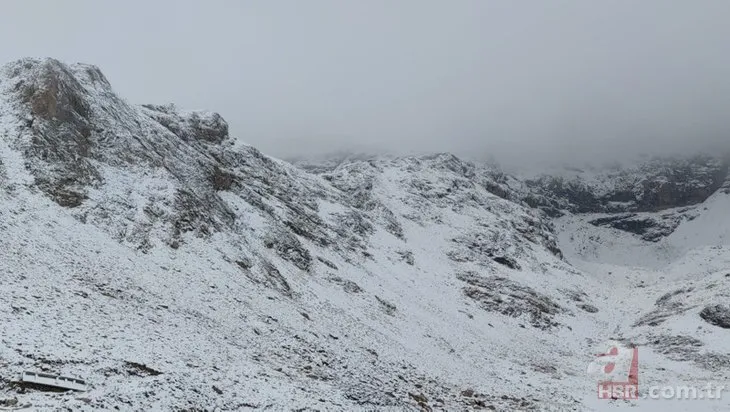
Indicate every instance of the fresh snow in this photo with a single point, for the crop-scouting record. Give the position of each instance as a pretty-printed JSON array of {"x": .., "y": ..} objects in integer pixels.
[{"x": 372, "y": 284}]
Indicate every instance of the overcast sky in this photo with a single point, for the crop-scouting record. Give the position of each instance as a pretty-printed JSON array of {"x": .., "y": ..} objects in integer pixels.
[{"x": 474, "y": 77}]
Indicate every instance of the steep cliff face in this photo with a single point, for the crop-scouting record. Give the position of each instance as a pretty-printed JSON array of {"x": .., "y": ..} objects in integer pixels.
[
  {"x": 148, "y": 174},
  {"x": 151, "y": 174},
  {"x": 78, "y": 137},
  {"x": 649, "y": 199},
  {"x": 651, "y": 186}
]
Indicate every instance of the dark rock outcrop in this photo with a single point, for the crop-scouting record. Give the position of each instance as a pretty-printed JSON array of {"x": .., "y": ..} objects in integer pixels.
[
  {"x": 206, "y": 126},
  {"x": 651, "y": 227},
  {"x": 501, "y": 295},
  {"x": 653, "y": 186},
  {"x": 717, "y": 315},
  {"x": 668, "y": 305},
  {"x": 649, "y": 200}
]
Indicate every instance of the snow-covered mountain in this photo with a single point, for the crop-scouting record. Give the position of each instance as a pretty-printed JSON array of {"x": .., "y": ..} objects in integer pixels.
[{"x": 173, "y": 268}]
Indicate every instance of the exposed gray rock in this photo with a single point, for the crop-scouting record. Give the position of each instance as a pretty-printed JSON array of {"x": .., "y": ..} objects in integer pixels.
[
  {"x": 289, "y": 248},
  {"x": 655, "y": 185},
  {"x": 205, "y": 126},
  {"x": 433, "y": 183},
  {"x": 487, "y": 248},
  {"x": 668, "y": 305},
  {"x": 498, "y": 294},
  {"x": 651, "y": 227},
  {"x": 407, "y": 256},
  {"x": 507, "y": 261},
  {"x": 718, "y": 315},
  {"x": 347, "y": 285},
  {"x": 689, "y": 349},
  {"x": 635, "y": 193},
  {"x": 386, "y": 306},
  {"x": 588, "y": 308},
  {"x": 271, "y": 278}
]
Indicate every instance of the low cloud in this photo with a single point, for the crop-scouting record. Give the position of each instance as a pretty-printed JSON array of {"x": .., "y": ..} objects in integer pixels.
[{"x": 512, "y": 80}]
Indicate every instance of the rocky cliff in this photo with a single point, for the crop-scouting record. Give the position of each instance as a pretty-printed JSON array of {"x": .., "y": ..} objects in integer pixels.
[
  {"x": 172, "y": 267},
  {"x": 314, "y": 279},
  {"x": 649, "y": 199}
]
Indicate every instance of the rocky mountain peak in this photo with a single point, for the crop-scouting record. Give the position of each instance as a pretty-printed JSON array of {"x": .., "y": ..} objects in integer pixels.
[
  {"x": 53, "y": 90},
  {"x": 77, "y": 136},
  {"x": 188, "y": 126},
  {"x": 651, "y": 186},
  {"x": 175, "y": 268}
]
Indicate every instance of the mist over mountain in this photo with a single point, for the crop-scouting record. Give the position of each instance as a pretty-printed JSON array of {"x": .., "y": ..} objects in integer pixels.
[
  {"x": 364, "y": 206},
  {"x": 560, "y": 80},
  {"x": 149, "y": 253}
]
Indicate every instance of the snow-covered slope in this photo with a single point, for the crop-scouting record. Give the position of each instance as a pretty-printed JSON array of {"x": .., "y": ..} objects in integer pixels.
[{"x": 147, "y": 252}]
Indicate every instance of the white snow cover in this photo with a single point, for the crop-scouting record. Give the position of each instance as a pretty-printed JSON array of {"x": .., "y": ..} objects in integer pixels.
[{"x": 377, "y": 284}]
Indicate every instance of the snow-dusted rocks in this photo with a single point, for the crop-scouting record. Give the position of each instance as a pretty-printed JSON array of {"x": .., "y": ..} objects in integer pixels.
[
  {"x": 650, "y": 186},
  {"x": 718, "y": 315},
  {"x": 206, "y": 126},
  {"x": 175, "y": 268},
  {"x": 156, "y": 240},
  {"x": 504, "y": 296},
  {"x": 649, "y": 199}
]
